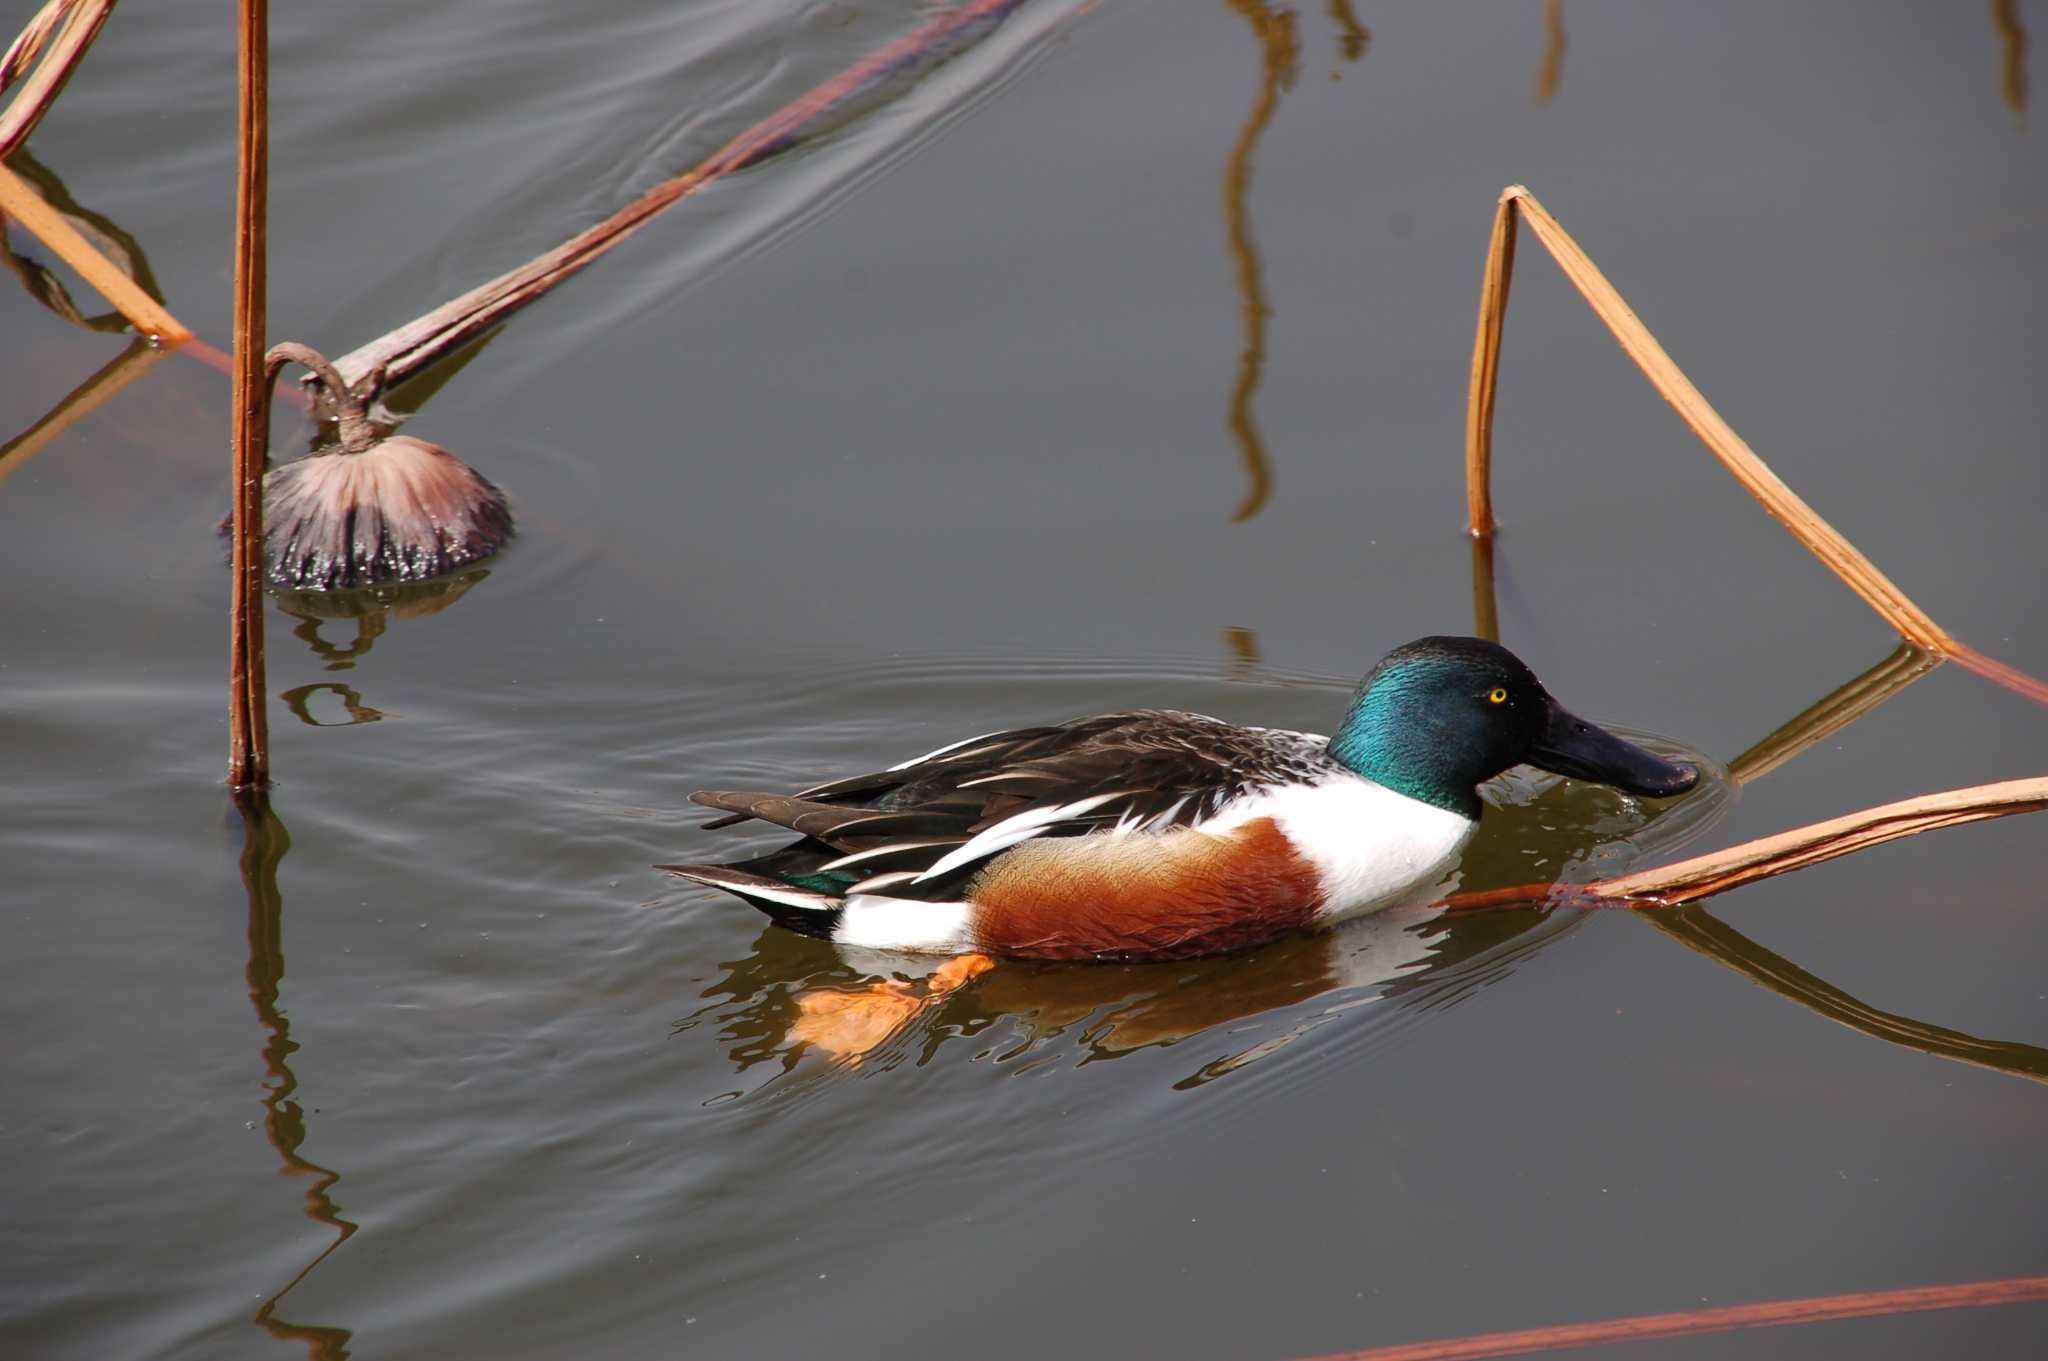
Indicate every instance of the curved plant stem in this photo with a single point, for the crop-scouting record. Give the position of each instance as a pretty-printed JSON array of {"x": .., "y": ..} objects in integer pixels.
[
  {"x": 1836, "y": 553},
  {"x": 353, "y": 420},
  {"x": 1840, "y": 556}
]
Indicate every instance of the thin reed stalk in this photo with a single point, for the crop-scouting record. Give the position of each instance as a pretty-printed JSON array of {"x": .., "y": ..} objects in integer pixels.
[
  {"x": 1485, "y": 604},
  {"x": 248, "y": 724},
  {"x": 20, "y": 201},
  {"x": 1727, "y": 1318},
  {"x": 1493, "y": 320},
  {"x": 40, "y": 90}
]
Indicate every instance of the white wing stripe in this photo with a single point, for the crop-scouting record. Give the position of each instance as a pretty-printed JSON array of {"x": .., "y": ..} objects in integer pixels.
[
  {"x": 950, "y": 746},
  {"x": 1012, "y": 830},
  {"x": 892, "y": 848},
  {"x": 1165, "y": 819}
]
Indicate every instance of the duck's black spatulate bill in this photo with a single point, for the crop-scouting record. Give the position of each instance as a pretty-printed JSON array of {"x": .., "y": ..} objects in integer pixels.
[{"x": 1569, "y": 745}]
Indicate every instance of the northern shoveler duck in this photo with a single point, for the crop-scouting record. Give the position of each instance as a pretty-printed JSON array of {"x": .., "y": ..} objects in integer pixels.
[{"x": 1158, "y": 834}]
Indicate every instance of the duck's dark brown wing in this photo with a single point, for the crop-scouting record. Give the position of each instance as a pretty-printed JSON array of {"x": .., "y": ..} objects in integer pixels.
[{"x": 1146, "y": 769}]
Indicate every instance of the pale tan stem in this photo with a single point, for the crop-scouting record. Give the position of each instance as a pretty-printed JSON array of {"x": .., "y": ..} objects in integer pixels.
[
  {"x": 1837, "y": 553},
  {"x": 350, "y": 415},
  {"x": 41, "y": 89},
  {"x": 20, "y": 201},
  {"x": 1719, "y": 871},
  {"x": 1493, "y": 317}
]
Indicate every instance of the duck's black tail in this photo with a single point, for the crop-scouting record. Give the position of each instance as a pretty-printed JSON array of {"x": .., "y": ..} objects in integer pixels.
[{"x": 801, "y": 903}]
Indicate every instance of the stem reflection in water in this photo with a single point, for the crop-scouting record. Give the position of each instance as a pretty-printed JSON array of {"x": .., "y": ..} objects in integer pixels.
[
  {"x": 2012, "y": 66},
  {"x": 1280, "y": 49},
  {"x": 1552, "y": 70},
  {"x": 1698, "y": 930},
  {"x": 265, "y": 842}
]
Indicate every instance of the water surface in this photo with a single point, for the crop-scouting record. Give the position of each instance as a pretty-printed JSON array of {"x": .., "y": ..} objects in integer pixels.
[{"x": 1120, "y": 360}]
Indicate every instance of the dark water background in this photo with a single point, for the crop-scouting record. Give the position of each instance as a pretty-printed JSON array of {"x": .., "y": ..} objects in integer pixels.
[{"x": 937, "y": 424}]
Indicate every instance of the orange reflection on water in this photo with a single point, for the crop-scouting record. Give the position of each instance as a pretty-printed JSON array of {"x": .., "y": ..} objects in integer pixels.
[
  {"x": 2012, "y": 67},
  {"x": 1548, "y": 74}
]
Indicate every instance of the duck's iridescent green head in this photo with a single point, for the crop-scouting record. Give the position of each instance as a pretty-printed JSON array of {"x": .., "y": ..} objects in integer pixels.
[{"x": 1440, "y": 715}]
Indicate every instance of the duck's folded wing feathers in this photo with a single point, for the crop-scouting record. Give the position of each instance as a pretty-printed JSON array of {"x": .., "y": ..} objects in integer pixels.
[{"x": 941, "y": 817}]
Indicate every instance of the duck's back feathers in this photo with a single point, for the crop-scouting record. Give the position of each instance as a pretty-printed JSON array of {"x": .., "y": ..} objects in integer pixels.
[{"x": 946, "y": 814}]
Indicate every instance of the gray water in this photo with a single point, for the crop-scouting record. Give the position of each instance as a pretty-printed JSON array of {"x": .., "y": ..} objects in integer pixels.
[{"x": 940, "y": 423}]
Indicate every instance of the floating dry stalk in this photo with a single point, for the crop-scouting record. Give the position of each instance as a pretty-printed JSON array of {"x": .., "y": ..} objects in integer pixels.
[
  {"x": 373, "y": 509},
  {"x": 396, "y": 356},
  {"x": 1718, "y": 871},
  {"x": 1726, "y": 1318},
  {"x": 1785, "y": 506}
]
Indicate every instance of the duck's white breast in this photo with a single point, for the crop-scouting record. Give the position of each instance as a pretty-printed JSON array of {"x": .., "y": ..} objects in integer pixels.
[{"x": 1371, "y": 846}]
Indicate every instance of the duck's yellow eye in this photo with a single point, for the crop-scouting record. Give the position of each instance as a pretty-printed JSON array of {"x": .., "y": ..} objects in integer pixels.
[{"x": 1497, "y": 695}]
